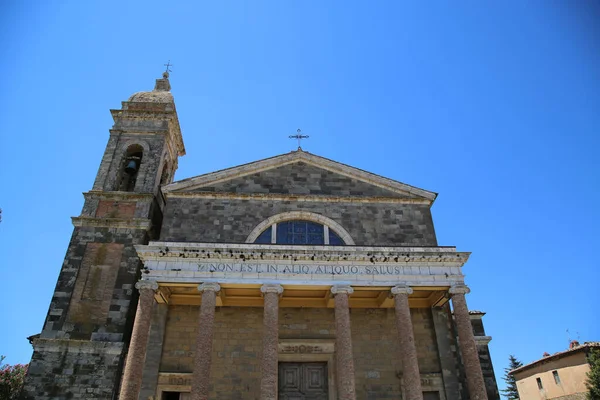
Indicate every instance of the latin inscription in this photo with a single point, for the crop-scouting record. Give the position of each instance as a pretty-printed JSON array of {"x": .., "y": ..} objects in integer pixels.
[
  {"x": 301, "y": 269},
  {"x": 177, "y": 380},
  {"x": 302, "y": 349}
]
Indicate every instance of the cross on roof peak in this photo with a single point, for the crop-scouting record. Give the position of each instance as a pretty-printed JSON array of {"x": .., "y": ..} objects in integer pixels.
[
  {"x": 167, "y": 70},
  {"x": 299, "y": 136}
]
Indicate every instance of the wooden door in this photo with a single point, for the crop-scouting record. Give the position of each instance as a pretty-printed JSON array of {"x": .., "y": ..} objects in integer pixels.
[{"x": 303, "y": 381}]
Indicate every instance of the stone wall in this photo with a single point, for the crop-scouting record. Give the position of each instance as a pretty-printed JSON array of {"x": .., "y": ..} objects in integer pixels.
[
  {"x": 73, "y": 369},
  {"x": 299, "y": 178},
  {"x": 95, "y": 286},
  {"x": 231, "y": 221},
  {"x": 237, "y": 346},
  {"x": 150, "y": 170}
]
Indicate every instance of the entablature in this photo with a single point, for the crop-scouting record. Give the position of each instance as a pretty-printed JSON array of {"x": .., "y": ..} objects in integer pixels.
[{"x": 292, "y": 264}]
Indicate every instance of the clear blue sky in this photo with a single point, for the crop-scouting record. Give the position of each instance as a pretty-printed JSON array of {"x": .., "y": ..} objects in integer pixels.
[{"x": 494, "y": 105}]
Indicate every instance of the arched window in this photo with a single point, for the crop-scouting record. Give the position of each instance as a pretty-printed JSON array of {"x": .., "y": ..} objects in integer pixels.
[
  {"x": 130, "y": 168},
  {"x": 300, "y": 232}
]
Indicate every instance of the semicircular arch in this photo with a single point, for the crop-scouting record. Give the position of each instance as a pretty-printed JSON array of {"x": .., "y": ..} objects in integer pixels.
[{"x": 304, "y": 216}]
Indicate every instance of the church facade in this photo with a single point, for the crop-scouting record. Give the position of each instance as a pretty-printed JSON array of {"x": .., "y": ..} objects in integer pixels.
[{"x": 294, "y": 277}]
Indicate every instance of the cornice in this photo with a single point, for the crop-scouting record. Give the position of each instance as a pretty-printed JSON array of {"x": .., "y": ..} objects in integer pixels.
[
  {"x": 293, "y": 157},
  {"x": 176, "y": 251},
  {"x": 169, "y": 114},
  {"x": 115, "y": 223},
  {"x": 296, "y": 197},
  {"x": 102, "y": 195},
  {"x": 483, "y": 340}
]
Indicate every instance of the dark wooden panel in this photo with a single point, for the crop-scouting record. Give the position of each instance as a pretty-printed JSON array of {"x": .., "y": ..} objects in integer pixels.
[
  {"x": 303, "y": 381},
  {"x": 431, "y": 395}
]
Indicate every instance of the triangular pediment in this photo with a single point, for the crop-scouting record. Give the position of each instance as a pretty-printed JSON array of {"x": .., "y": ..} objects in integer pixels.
[{"x": 298, "y": 173}]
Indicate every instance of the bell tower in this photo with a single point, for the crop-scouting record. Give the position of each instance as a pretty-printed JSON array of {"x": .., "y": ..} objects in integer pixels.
[{"x": 80, "y": 351}]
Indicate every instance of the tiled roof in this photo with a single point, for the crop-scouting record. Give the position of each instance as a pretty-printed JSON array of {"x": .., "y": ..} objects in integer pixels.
[{"x": 560, "y": 354}]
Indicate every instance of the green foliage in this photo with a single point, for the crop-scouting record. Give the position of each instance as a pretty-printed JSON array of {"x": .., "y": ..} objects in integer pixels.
[
  {"x": 11, "y": 380},
  {"x": 593, "y": 377},
  {"x": 511, "y": 392}
]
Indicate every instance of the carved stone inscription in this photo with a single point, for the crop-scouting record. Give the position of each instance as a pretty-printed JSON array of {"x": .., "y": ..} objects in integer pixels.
[
  {"x": 301, "y": 269},
  {"x": 291, "y": 346}
]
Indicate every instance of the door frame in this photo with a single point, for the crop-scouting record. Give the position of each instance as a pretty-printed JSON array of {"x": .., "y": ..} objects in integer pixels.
[{"x": 311, "y": 350}]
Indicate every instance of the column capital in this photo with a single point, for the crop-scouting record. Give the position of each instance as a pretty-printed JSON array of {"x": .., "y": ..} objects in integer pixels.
[
  {"x": 271, "y": 288},
  {"x": 401, "y": 289},
  {"x": 459, "y": 289},
  {"x": 141, "y": 285},
  {"x": 342, "y": 289},
  {"x": 209, "y": 286}
]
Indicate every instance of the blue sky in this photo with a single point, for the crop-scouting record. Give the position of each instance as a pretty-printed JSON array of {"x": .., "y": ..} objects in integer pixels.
[{"x": 492, "y": 105}]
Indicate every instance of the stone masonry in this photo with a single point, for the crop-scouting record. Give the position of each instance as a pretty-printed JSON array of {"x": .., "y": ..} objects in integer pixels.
[
  {"x": 231, "y": 221},
  {"x": 219, "y": 350},
  {"x": 80, "y": 351}
]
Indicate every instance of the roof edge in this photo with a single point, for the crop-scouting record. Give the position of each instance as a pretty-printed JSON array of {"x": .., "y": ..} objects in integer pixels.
[
  {"x": 296, "y": 156},
  {"x": 556, "y": 356}
]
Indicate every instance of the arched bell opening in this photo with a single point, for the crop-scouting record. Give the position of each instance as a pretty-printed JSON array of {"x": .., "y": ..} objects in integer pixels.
[{"x": 130, "y": 168}]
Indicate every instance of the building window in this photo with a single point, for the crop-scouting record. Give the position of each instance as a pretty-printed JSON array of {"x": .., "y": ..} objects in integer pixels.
[
  {"x": 556, "y": 377},
  {"x": 539, "y": 382},
  {"x": 299, "y": 232}
]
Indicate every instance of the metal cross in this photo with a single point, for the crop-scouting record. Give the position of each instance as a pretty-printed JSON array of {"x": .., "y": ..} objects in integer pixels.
[
  {"x": 299, "y": 136},
  {"x": 168, "y": 64}
]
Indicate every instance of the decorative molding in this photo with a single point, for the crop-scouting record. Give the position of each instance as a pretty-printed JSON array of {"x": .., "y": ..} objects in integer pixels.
[
  {"x": 117, "y": 223},
  {"x": 342, "y": 289},
  {"x": 475, "y": 314},
  {"x": 483, "y": 340},
  {"x": 116, "y": 195},
  {"x": 169, "y": 262},
  {"x": 271, "y": 288},
  {"x": 209, "y": 286},
  {"x": 401, "y": 289},
  {"x": 142, "y": 285},
  {"x": 77, "y": 346},
  {"x": 301, "y": 215},
  {"x": 346, "y": 255},
  {"x": 306, "y": 346},
  {"x": 296, "y": 197},
  {"x": 311, "y": 350},
  {"x": 293, "y": 157},
  {"x": 459, "y": 289}
]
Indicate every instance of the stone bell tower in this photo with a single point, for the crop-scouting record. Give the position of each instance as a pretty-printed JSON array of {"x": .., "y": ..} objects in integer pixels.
[{"x": 80, "y": 351}]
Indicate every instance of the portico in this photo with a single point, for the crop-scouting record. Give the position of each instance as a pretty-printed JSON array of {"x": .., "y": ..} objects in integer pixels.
[{"x": 301, "y": 277}]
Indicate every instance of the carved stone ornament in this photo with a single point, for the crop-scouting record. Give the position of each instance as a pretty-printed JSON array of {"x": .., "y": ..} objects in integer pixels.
[
  {"x": 342, "y": 290},
  {"x": 401, "y": 289},
  {"x": 459, "y": 289},
  {"x": 271, "y": 288},
  {"x": 152, "y": 285},
  {"x": 210, "y": 286}
]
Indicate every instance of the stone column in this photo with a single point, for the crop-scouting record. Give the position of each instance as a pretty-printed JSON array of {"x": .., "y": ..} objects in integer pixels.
[
  {"x": 134, "y": 366},
  {"x": 408, "y": 351},
  {"x": 202, "y": 359},
  {"x": 344, "y": 360},
  {"x": 268, "y": 382},
  {"x": 468, "y": 347}
]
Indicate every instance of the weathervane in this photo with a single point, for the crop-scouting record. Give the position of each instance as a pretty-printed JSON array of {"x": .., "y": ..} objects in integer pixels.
[
  {"x": 299, "y": 137},
  {"x": 167, "y": 70}
]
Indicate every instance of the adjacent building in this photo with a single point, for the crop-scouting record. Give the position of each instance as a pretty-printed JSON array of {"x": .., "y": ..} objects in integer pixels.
[
  {"x": 558, "y": 376},
  {"x": 292, "y": 277}
]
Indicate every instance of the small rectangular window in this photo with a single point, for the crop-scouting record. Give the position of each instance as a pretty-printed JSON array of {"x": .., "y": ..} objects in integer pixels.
[
  {"x": 539, "y": 382},
  {"x": 556, "y": 377}
]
